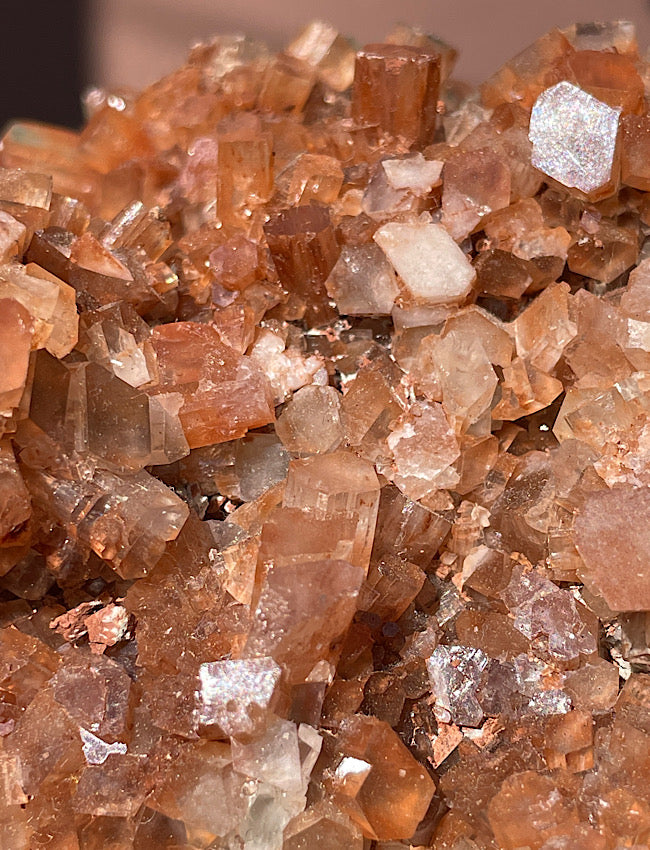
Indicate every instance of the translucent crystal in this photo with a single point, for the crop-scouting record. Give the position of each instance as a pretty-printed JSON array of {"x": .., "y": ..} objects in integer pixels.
[
  {"x": 194, "y": 362},
  {"x": 609, "y": 518},
  {"x": 542, "y": 609},
  {"x": 396, "y": 87},
  {"x": 311, "y": 422},
  {"x": 363, "y": 281},
  {"x": 455, "y": 674},
  {"x": 301, "y": 613},
  {"x": 322, "y": 826},
  {"x": 340, "y": 486},
  {"x": 272, "y": 757},
  {"x": 320, "y": 45},
  {"x": 16, "y": 332},
  {"x": 530, "y": 810},
  {"x": 325, "y": 453},
  {"x": 424, "y": 448},
  {"x": 476, "y": 183}
]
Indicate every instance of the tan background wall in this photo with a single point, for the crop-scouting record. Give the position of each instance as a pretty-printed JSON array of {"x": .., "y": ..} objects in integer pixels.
[{"x": 135, "y": 41}]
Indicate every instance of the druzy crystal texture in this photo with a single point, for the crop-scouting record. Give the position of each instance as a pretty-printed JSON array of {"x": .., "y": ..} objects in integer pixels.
[{"x": 325, "y": 454}]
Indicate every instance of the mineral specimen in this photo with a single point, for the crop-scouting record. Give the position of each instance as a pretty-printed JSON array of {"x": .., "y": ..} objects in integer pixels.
[{"x": 325, "y": 454}]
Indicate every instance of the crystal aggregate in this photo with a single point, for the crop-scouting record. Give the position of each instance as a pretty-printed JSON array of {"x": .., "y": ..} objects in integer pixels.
[{"x": 325, "y": 453}]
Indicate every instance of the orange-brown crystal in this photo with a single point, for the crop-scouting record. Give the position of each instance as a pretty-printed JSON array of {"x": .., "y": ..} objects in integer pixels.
[{"x": 325, "y": 453}]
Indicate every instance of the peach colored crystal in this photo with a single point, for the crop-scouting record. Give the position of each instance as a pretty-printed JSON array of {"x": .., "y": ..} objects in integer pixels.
[{"x": 325, "y": 453}]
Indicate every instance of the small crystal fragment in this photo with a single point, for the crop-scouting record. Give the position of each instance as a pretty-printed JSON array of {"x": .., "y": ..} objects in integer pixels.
[{"x": 97, "y": 751}]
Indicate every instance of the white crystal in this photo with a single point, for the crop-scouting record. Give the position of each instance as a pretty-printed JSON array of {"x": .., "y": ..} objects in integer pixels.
[
  {"x": 433, "y": 268},
  {"x": 97, "y": 751},
  {"x": 574, "y": 137},
  {"x": 415, "y": 173}
]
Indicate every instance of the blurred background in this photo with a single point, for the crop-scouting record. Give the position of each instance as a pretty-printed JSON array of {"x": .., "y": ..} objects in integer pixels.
[{"x": 52, "y": 50}]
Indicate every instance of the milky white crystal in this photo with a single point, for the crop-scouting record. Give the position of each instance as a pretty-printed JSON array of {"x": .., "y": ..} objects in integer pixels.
[{"x": 431, "y": 265}]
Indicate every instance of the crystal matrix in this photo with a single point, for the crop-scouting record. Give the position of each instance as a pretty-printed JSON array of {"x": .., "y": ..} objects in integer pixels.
[{"x": 325, "y": 454}]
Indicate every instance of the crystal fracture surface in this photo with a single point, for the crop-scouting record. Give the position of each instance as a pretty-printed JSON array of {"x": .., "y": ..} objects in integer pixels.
[{"x": 325, "y": 453}]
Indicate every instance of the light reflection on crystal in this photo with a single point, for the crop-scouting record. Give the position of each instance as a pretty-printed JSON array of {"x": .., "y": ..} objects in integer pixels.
[{"x": 574, "y": 137}]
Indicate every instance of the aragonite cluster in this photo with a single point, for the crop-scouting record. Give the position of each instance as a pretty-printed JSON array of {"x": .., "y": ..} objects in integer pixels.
[{"x": 325, "y": 454}]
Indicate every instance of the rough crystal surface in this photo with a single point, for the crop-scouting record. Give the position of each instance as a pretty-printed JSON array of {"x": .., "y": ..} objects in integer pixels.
[{"x": 232, "y": 692}]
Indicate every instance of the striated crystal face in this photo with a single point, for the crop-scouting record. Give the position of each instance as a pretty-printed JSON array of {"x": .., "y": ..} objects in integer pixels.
[
  {"x": 574, "y": 137},
  {"x": 325, "y": 453}
]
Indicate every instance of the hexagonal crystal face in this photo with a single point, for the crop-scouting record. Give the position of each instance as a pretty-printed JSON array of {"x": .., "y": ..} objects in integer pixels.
[{"x": 574, "y": 137}]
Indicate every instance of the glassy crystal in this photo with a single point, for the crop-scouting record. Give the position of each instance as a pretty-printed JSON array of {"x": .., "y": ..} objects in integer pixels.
[
  {"x": 325, "y": 453},
  {"x": 610, "y": 519},
  {"x": 376, "y": 781},
  {"x": 363, "y": 282},
  {"x": 311, "y": 422},
  {"x": 424, "y": 448}
]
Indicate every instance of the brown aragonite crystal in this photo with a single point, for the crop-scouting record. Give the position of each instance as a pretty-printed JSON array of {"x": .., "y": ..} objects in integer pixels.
[
  {"x": 396, "y": 88},
  {"x": 325, "y": 454}
]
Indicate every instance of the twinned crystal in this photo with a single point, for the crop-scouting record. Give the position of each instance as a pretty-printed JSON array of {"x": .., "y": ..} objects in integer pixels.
[{"x": 325, "y": 453}]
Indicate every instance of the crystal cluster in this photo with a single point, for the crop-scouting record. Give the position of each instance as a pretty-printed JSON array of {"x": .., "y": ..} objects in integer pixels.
[{"x": 325, "y": 454}]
